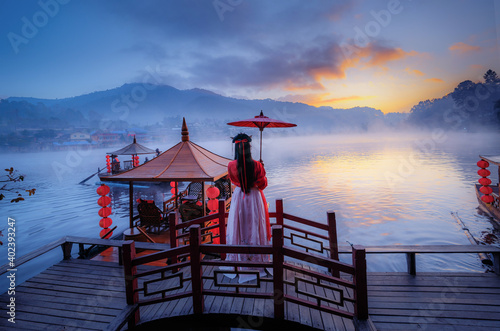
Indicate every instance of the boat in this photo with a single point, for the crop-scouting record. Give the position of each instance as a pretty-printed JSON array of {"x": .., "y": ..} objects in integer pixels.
[{"x": 488, "y": 193}]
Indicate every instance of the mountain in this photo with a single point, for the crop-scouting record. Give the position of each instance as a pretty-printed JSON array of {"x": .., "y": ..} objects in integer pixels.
[{"x": 140, "y": 104}]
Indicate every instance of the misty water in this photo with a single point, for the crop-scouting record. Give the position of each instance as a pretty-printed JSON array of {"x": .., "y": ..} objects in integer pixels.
[{"x": 389, "y": 189}]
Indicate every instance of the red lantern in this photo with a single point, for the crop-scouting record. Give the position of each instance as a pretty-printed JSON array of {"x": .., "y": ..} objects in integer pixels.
[
  {"x": 483, "y": 164},
  {"x": 172, "y": 184},
  {"x": 486, "y": 190},
  {"x": 103, "y": 232},
  {"x": 104, "y": 201},
  {"x": 172, "y": 190},
  {"x": 198, "y": 203},
  {"x": 212, "y": 192},
  {"x": 484, "y": 181},
  {"x": 107, "y": 157},
  {"x": 103, "y": 189},
  {"x": 104, "y": 212},
  {"x": 213, "y": 204},
  {"x": 483, "y": 172},
  {"x": 487, "y": 198},
  {"x": 105, "y": 222}
]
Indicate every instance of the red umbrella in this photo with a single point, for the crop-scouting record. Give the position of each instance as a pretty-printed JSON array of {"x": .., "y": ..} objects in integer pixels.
[{"x": 262, "y": 122}]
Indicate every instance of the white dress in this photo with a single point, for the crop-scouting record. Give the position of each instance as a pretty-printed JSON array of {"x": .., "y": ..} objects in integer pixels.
[{"x": 246, "y": 225}]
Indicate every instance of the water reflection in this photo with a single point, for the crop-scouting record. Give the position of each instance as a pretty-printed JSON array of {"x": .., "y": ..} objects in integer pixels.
[{"x": 384, "y": 190}]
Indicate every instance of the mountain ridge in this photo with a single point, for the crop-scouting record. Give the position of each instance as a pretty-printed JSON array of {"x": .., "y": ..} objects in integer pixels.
[{"x": 145, "y": 103}]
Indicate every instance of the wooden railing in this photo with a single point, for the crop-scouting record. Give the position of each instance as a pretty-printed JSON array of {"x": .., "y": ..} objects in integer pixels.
[
  {"x": 142, "y": 293},
  {"x": 317, "y": 249},
  {"x": 410, "y": 251},
  {"x": 323, "y": 240},
  {"x": 66, "y": 243}
]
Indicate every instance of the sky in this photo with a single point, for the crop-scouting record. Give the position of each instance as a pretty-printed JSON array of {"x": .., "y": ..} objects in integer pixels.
[{"x": 385, "y": 54}]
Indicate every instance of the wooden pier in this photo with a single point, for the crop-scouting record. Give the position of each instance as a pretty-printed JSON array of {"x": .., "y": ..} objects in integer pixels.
[{"x": 305, "y": 285}]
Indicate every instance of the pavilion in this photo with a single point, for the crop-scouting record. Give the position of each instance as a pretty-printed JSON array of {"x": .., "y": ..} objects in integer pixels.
[{"x": 184, "y": 162}]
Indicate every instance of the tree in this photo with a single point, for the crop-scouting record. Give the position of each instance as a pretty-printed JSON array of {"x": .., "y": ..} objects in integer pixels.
[
  {"x": 491, "y": 77},
  {"x": 13, "y": 176},
  {"x": 462, "y": 91},
  {"x": 497, "y": 107}
]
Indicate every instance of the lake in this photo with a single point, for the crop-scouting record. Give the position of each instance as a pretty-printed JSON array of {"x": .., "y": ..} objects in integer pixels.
[{"x": 386, "y": 189}]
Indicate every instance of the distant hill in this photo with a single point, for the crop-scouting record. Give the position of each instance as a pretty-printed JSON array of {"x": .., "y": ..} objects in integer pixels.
[
  {"x": 471, "y": 107},
  {"x": 139, "y": 104}
]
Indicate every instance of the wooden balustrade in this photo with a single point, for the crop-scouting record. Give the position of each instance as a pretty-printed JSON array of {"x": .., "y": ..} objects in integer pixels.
[{"x": 279, "y": 254}]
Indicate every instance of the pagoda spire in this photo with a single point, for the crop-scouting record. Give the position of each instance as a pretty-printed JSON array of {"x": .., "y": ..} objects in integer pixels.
[{"x": 184, "y": 132}]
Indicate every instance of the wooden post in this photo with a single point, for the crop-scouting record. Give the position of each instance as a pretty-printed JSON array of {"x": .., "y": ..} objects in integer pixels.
[
  {"x": 120, "y": 255},
  {"x": 279, "y": 211},
  {"x": 173, "y": 234},
  {"x": 131, "y": 203},
  {"x": 196, "y": 268},
  {"x": 173, "y": 231},
  {"x": 66, "y": 248},
  {"x": 411, "y": 263},
  {"x": 176, "y": 200},
  {"x": 332, "y": 237},
  {"x": 222, "y": 225},
  {"x": 128, "y": 251},
  {"x": 361, "y": 290},
  {"x": 278, "y": 259},
  {"x": 81, "y": 251},
  {"x": 203, "y": 203},
  {"x": 496, "y": 262}
]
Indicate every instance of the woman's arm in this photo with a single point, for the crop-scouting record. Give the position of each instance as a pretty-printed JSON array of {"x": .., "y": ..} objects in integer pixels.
[{"x": 260, "y": 176}]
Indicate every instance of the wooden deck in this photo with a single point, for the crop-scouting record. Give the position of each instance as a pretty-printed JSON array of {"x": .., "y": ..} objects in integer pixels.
[
  {"x": 87, "y": 295},
  {"x": 71, "y": 295},
  {"x": 78, "y": 294},
  {"x": 434, "y": 301}
]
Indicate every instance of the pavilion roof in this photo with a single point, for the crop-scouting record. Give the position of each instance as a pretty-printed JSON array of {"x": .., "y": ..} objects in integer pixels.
[
  {"x": 133, "y": 149},
  {"x": 186, "y": 161}
]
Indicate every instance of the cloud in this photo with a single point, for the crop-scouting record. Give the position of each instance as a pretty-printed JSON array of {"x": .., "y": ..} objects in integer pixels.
[
  {"x": 477, "y": 66},
  {"x": 342, "y": 99},
  {"x": 321, "y": 99},
  {"x": 381, "y": 55},
  {"x": 434, "y": 80},
  {"x": 289, "y": 66},
  {"x": 149, "y": 49},
  {"x": 375, "y": 55},
  {"x": 461, "y": 48},
  {"x": 304, "y": 98},
  {"x": 414, "y": 72}
]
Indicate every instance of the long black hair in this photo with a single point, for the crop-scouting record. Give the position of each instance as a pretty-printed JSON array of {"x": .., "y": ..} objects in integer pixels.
[{"x": 245, "y": 163}]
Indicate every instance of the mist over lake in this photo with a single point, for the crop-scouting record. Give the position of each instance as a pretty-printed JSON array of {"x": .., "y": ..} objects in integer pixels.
[{"x": 389, "y": 189}]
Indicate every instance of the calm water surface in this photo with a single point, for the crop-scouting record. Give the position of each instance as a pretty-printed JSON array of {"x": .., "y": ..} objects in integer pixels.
[{"x": 385, "y": 190}]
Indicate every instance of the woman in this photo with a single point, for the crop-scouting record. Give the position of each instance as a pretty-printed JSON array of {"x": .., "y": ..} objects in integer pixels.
[{"x": 248, "y": 220}]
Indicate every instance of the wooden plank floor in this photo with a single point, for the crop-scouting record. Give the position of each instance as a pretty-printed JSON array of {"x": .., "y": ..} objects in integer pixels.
[
  {"x": 434, "y": 301},
  {"x": 87, "y": 295},
  {"x": 71, "y": 295}
]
